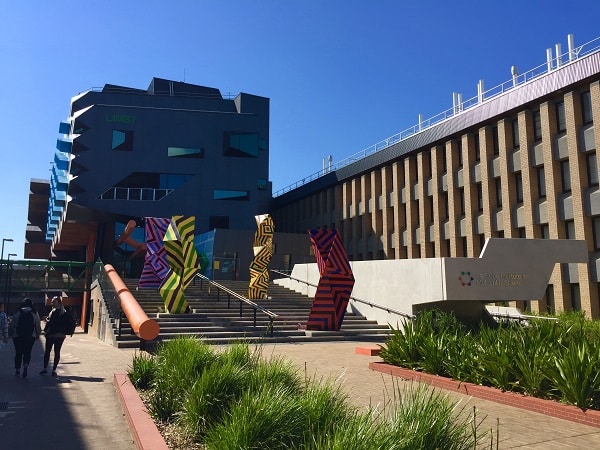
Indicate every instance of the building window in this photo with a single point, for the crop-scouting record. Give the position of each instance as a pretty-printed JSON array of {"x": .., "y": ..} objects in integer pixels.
[
  {"x": 461, "y": 196},
  {"x": 561, "y": 120},
  {"x": 463, "y": 242},
  {"x": 261, "y": 184},
  {"x": 427, "y": 164},
  {"x": 537, "y": 126},
  {"x": 495, "y": 141},
  {"x": 241, "y": 144},
  {"x": 575, "y": 296},
  {"x": 565, "y": 176},
  {"x": 498, "y": 192},
  {"x": 596, "y": 232},
  {"x": 545, "y": 231},
  {"x": 460, "y": 155},
  {"x": 181, "y": 152},
  {"x": 220, "y": 194},
  {"x": 592, "y": 169},
  {"x": 541, "y": 181},
  {"x": 515, "y": 133},
  {"x": 477, "y": 147},
  {"x": 522, "y": 232},
  {"x": 444, "y": 204},
  {"x": 519, "y": 186},
  {"x": 586, "y": 107},
  {"x": 122, "y": 140},
  {"x": 479, "y": 197},
  {"x": 569, "y": 229},
  {"x": 550, "y": 299},
  {"x": 444, "y": 161}
]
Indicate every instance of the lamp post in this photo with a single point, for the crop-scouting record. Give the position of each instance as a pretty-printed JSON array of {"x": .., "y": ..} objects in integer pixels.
[
  {"x": 7, "y": 285},
  {"x": 3, "y": 241}
]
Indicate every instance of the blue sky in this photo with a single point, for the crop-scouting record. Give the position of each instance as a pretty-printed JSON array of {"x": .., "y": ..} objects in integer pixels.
[{"x": 341, "y": 75}]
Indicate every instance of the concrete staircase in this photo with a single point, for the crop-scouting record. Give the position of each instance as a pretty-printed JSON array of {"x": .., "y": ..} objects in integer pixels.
[{"x": 217, "y": 318}]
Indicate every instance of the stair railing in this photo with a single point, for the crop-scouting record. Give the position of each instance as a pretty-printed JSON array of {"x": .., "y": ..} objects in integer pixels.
[
  {"x": 356, "y": 299},
  {"x": 145, "y": 328},
  {"x": 243, "y": 301}
]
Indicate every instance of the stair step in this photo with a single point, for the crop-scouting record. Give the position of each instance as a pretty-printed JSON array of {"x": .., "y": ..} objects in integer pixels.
[{"x": 217, "y": 319}]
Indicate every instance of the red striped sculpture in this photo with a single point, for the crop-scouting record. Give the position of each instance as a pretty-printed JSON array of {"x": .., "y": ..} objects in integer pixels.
[{"x": 335, "y": 283}]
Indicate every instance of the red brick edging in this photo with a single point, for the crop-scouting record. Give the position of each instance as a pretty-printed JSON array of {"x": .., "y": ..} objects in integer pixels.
[
  {"x": 548, "y": 407},
  {"x": 143, "y": 429}
]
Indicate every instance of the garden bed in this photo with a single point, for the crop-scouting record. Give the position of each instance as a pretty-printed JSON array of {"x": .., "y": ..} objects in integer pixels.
[{"x": 548, "y": 407}]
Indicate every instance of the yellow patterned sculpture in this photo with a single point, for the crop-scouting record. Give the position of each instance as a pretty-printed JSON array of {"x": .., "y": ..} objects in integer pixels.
[
  {"x": 183, "y": 260},
  {"x": 263, "y": 251}
]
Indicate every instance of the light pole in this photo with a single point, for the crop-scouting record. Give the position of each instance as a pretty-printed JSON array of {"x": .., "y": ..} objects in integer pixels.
[
  {"x": 2, "y": 255},
  {"x": 7, "y": 285},
  {"x": 3, "y": 241}
]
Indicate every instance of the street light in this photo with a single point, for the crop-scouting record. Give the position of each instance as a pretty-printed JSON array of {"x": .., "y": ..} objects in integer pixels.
[{"x": 3, "y": 241}]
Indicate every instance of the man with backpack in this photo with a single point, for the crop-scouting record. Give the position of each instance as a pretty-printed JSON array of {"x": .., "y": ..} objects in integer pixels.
[
  {"x": 59, "y": 324},
  {"x": 27, "y": 329}
]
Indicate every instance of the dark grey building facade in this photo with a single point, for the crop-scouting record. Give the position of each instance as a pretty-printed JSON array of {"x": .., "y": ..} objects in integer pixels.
[{"x": 171, "y": 149}]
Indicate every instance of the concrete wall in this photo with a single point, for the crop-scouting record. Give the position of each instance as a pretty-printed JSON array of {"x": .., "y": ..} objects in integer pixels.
[{"x": 508, "y": 269}]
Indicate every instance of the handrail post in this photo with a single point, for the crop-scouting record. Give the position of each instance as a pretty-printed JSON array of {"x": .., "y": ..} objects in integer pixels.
[
  {"x": 228, "y": 301},
  {"x": 254, "y": 317},
  {"x": 240, "y": 309},
  {"x": 120, "y": 322}
]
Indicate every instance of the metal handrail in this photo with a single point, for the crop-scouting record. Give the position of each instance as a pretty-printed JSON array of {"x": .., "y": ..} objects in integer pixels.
[
  {"x": 243, "y": 300},
  {"x": 109, "y": 295},
  {"x": 549, "y": 66},
  {"x": 356, "y": 299},
  {"x": 520, "y": 317}
]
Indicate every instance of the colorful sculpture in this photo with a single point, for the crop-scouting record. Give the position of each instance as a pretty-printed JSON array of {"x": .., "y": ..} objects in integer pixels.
[
  {"x": 156, "y": 266},
  {"x": 335, "y": 283},
  {"x": 263, "y": 251},
  {"x": 183, "y": 261}
]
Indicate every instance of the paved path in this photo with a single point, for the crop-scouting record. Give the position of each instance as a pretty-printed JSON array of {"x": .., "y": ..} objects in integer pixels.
[
  {"x": 77, "y": 410},
  {"x": 80, "y": 410}
]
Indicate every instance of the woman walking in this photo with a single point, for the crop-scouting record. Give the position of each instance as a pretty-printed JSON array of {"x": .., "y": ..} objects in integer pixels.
[
  {"x": 27, "y": 330},
  {"x": 59, "y": 323}
]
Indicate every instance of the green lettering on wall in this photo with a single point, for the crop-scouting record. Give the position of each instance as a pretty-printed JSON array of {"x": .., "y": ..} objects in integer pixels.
[{"x": 120, "y": 118}]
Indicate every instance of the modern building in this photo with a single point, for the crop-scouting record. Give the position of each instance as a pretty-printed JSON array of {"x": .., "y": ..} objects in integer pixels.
[
  {"x": 516, "y": 161},
  {"x": 125, "y": 154}
]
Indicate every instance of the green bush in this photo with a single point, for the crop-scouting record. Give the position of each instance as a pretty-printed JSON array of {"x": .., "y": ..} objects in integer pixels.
[
  {"x": 557, "y": 359},
  {"x": 142, "y": 371},
  {"x": 237, "y": 399}
]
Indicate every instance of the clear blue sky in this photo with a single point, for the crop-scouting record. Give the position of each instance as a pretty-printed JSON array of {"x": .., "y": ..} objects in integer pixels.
[{"x": 341, "y": 74}]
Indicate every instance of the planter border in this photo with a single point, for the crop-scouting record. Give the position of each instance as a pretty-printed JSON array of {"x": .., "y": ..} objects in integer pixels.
[
  {"x": 548, "y": 407},
  {"x": 141, "y": 426}
]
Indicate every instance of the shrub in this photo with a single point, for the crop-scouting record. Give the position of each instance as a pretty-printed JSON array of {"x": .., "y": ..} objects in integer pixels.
[{"x": 142, "y": 371}]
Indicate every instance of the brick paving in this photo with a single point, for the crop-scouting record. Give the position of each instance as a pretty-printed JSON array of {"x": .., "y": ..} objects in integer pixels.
[{"x": 80, "y": 408}]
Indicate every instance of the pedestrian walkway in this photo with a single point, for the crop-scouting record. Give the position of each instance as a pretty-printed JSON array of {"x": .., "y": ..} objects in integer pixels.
[
  {"x": 77, "y": 410},
  {"x": 80, "y": 408}
]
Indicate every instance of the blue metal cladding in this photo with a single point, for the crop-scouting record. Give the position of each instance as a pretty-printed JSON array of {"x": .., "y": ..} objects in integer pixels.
[{"x": 64, "y": 127}]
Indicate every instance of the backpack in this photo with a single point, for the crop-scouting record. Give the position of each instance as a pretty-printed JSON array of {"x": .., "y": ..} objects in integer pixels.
[
  {"x": 68, "y": 323},
  {"x": 26, "y": 324}
]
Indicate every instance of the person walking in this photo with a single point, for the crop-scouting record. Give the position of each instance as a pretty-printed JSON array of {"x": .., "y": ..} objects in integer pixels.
[
  {"x": 27, "y": 328},
  {"x": 3, "y": 326},
  {"x": 59, "y": 324}
]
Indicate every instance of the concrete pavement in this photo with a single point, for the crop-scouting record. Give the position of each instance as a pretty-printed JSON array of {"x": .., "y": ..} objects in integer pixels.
[{"x": 80, "y": 408}]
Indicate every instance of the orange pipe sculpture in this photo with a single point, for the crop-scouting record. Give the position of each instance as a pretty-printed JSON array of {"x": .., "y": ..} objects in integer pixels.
[{"x": 142, "y": 326}]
